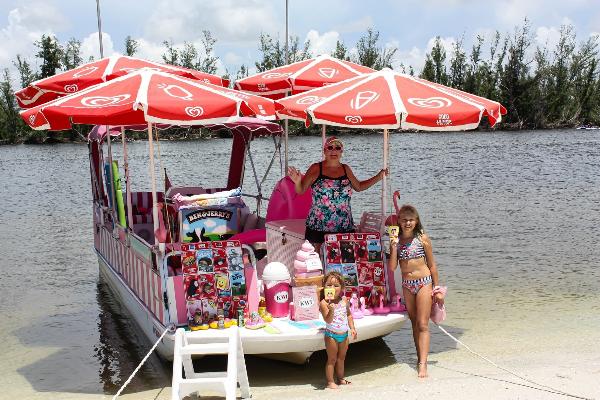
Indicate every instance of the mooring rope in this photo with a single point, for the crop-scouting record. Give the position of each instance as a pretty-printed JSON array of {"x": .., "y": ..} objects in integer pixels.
[
  {"x": 548, "y": 388},
  {"x": 169, "y": 328}
]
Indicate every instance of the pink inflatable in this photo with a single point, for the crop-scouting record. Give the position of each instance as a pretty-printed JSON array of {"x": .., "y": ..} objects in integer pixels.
[{"x": 285, "y": 203}]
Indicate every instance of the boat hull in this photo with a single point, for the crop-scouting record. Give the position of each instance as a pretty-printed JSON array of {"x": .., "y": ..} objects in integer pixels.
[{"x": 145, "y": 320}]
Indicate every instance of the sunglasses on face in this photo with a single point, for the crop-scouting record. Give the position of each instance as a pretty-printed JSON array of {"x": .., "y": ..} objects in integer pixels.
[{"x": 330, "y": 148}]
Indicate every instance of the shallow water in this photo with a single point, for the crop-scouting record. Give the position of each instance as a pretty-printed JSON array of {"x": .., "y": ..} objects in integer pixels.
[{"x": 513, "y": 218}]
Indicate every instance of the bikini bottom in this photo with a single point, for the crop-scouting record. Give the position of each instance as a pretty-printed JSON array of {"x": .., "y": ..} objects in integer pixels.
[
  {"x": 415, "y": 285},
  {"x": 337, "y": 336}
]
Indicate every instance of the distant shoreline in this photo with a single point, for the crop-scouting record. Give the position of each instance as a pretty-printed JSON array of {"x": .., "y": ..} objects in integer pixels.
[{"x": 165, "y": 136}]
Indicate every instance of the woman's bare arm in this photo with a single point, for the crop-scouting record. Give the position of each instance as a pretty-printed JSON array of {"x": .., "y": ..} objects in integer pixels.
[{"x": 359, "y": 186}]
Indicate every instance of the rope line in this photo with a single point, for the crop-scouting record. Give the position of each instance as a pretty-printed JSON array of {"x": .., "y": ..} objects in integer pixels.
[
  {"x": 551, "y": 389},
  {"x": 169, "y": 328}
]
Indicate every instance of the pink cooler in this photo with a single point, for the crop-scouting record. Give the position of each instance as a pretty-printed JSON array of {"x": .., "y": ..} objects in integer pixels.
[{"x": 276, "y": 280}]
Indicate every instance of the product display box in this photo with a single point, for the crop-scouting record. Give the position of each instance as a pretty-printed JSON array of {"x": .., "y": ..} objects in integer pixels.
[
  {"x": 213, "y": 277},
  {"x": 358, "y": 257}
]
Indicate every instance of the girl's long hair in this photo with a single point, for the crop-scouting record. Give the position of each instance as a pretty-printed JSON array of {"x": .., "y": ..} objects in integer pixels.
[{"x": 408, "y": 209}]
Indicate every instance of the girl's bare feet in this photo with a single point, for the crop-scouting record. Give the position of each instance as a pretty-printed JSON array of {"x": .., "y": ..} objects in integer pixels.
[
  {"x": 332, "y": 385},
  {"x": 422, "y": 370},
  {"x": 343, "y": 381}
]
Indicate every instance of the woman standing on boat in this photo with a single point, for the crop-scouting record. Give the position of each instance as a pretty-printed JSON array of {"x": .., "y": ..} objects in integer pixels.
[
  {"x": 412, "y": 250},
  {"x": 332, "y": 183}
]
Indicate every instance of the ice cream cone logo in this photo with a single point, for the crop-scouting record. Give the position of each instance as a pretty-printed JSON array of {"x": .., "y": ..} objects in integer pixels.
[
  {"x": 275, "y": 75},
  {"x": 176, "y": 91},
  {"x": 328, "y": 72},
  {"x": 308, "y": 100},
  {"x": 363, "y": 98},
  {"x": 84, "y": 72}
]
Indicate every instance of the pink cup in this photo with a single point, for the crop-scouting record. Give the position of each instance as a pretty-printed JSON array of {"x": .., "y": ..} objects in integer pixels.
[{"x": 277, "y": 297}]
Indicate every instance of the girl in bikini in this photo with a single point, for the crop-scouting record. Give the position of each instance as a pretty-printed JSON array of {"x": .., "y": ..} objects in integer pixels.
[
  {"x": 412, "y": 251},
  {"x": 336, "y": 313}
]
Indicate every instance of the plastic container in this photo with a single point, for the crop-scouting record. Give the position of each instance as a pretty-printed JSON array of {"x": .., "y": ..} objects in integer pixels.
[{"x": 276, "y": 280}]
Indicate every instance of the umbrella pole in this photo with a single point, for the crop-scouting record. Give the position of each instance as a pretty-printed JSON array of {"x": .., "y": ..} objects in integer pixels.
[
  {"x": 323, "y": 141},
  {"x": 286, "y": 147},
  {"x": 127, "y": 183},
  {"x": 384, "y": 181},
  {"x": 153, "y": 178}
]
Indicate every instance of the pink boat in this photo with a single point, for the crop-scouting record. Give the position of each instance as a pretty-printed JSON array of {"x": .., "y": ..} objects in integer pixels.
[{"x": 164, "y": 263}]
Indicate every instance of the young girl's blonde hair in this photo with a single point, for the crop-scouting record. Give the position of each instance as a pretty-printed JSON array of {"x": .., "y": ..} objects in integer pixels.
[{"x": 408, "y": 209}]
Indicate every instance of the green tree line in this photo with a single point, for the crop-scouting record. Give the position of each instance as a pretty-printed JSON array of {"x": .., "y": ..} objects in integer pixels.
[{"x": 541, "y": 86}]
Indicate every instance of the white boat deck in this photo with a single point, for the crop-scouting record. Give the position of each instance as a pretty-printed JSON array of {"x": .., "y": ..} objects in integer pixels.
[{"x": 305, "y": 336}]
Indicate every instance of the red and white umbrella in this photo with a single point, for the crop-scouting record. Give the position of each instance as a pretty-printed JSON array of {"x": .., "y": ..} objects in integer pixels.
[
  {"x": 97, "y": 72},
  {"x": 390, "y": 100},
  {"x": 148, "y": 96},
  {"x": 300, "y": 76}
]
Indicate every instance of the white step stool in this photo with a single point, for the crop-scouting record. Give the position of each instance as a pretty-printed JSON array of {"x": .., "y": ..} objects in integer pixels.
[{"x": 204, "y": 343}]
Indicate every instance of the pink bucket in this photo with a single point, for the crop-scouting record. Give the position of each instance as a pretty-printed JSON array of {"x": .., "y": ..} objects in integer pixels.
[
  {"x": 276, "y": 279},
  {"x": 278, "y": 299}
]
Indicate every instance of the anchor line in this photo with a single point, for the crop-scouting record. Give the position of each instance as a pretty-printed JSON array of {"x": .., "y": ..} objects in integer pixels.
[
  {"x": 551, "y": 389},
  {"x": 170, "y": 328}
]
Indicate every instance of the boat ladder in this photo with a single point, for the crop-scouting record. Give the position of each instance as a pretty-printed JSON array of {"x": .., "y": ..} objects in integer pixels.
[{"x": 226, "y": 342}]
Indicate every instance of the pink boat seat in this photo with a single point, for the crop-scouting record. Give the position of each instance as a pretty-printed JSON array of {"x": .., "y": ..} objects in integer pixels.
[
  {"x": 141, "y": 206},
  {"x": 284, "y": 204}
]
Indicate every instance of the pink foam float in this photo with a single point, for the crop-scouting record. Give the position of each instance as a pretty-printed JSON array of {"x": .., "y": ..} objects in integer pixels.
[
  {"x": 381, "y": 309},
  {"x": 355, "y": 307},
  {"x": 396, "y": 305},
  {"x": 363, "y": 308}
]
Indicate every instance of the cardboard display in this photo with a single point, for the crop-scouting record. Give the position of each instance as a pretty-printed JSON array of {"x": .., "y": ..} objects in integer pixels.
[
  {"x": 213, "y": 278},
  {"x": 358, "y": 257}
]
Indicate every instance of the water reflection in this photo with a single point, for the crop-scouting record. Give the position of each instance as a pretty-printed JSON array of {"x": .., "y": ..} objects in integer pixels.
[{"x": 121, "y": 346}]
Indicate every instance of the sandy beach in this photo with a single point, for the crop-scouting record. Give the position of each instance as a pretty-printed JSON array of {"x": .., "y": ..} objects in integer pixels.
[
  {"x": 376, "y": 373},
  {"x": 576, "y": 374}
]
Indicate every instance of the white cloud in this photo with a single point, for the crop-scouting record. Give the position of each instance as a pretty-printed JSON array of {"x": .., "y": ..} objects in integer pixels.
[
  {"x": 232, "y": 58},
  {"x": 513, "y": 12},
  {"x": 414, "y": 57},
  {"x": 547, "y": 37},
  {"x": 229, "y": 21},
  {"x": 322, "y": 44},
  {"x": 447, "y": 44},
  {"x": 359, "y": 25},
  {"x": 26, "y": 24},
  {"x": 150, "y": 50},
  {"x": 90, "y": 46}
]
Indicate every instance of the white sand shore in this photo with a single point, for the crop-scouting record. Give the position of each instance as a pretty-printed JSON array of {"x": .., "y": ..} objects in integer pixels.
[{"x": 576, "y": 374}]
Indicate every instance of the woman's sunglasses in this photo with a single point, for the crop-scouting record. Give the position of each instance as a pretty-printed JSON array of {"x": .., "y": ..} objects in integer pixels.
[{"x": 330, "y": 148}]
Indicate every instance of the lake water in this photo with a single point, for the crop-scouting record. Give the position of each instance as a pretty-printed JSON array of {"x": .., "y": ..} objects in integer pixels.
[{"x": 513, "y": 218}]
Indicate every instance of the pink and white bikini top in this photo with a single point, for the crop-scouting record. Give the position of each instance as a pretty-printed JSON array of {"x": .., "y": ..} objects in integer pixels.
[
  {"x": 340, "y": 318},
  {"x": 409, "y": 251}
]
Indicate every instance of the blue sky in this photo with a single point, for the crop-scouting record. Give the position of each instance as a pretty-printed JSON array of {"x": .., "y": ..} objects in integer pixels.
[{"x": 408, "y": 25}]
